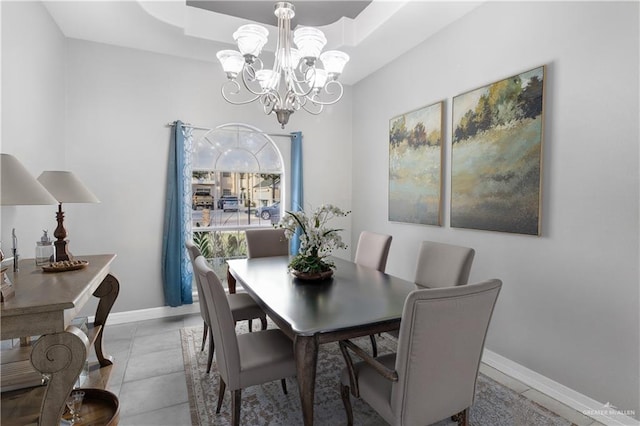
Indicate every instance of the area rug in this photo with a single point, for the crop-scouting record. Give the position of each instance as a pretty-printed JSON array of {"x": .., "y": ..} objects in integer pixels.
[{"x": 495, "y": 404}]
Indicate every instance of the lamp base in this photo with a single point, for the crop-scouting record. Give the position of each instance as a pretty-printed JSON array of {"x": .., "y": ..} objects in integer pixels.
[{"x": 62, "y": 252}]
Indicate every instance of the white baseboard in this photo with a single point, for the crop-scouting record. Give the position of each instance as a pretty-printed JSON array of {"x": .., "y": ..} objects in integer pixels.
[
  {"x": 150, "y": 313},
  {"x": 604, "y": 413}
]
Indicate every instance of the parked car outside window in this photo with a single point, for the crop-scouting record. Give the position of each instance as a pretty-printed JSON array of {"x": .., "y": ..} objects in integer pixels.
[
  {"x": 267, "y": 212},
  {"x": 230, "y": 204},
  {"x": 225, "y": 197}
]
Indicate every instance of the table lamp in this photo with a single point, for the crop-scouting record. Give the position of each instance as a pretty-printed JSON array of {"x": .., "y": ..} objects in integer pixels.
[
  {"x": 19, "y": 188},
  {"x": 66, "y": 188}
]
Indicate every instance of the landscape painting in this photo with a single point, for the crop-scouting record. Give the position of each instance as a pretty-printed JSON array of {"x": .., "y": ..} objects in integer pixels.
[
  {"x": 415, "y": 166},
  {"x": 497, "y": 155}
]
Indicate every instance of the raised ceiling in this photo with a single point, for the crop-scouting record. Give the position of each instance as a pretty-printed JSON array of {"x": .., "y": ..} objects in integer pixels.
[
  {"x": 312, "y": 13},
  {"x": 373, "y": 37}
]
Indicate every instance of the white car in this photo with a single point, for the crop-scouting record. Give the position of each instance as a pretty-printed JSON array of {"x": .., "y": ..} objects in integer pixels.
[{"x": 230, "y": 204}]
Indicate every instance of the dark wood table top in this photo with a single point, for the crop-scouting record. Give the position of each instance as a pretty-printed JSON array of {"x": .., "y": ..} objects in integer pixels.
[{"x": 354, "y": 297}]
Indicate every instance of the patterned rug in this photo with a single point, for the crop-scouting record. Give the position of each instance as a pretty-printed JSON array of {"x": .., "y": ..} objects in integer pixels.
[{"x": 495, "y": 405}]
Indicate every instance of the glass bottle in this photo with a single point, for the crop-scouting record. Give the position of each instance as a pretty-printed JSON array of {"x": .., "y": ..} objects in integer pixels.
[{"x": 44, "y": 250}]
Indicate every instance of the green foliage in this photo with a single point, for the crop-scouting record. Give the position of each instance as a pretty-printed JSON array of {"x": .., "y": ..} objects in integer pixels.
[
  {"x": 203, "y": 241},
  {"x": 531, "y": 98},
  {"x": 418, "y": 136},
  {"x": 309, "y": 264},
  {"x": 398, "y": 131},
  {"x": 505, "y": 102},
  {"x": 219, "y": 244}
]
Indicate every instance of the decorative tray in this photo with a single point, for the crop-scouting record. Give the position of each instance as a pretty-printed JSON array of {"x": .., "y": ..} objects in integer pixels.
[{"x": 65, "y": 265}]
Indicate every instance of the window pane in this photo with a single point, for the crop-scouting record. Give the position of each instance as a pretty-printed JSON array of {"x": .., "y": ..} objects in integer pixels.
[{"x": 237, "y": 175}]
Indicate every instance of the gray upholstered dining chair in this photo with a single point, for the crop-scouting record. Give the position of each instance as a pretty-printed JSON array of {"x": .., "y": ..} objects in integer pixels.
[
  {"x": 243, "y": 307},
  {"x": 372, "y": 251},
  {"x": 266, "y": 242},
  {"x": 443, "y": 265},
  {"x": 423, "y": 382},
  {"x": 247, "y": 359}
]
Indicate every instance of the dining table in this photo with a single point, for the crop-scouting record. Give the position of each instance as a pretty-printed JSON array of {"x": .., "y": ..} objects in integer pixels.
[{"x": 356, "y": 301}]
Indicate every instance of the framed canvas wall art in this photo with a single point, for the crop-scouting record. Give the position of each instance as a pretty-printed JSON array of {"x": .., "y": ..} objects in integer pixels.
[
  {"x": 496, "y": 163},
  {"x": 415, "y": 166}
]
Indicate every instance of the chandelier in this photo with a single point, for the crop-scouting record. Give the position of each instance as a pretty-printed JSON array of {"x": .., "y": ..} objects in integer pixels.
[{"x": 300, "y": 78}]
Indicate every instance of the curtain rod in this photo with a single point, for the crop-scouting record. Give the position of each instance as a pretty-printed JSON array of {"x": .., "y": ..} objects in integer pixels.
[{"x": 285, "y": 135}]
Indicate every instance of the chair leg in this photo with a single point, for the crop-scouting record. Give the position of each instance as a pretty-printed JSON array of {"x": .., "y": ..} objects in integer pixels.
[
  {"x": 250, "y": 325},
  {"x": 346, "y": 400},
  {"x": 284, "y": 386},
  {"x": 236, "y": 397},
  {"x": 263, "y": 322},
  {"x": 223, "y": 387},
  {"x": 210, "y": 355},
  {"x": 204, "y": 336},
  {"x": 462, "y": 417},
  {"x": 374, "y": 345}
]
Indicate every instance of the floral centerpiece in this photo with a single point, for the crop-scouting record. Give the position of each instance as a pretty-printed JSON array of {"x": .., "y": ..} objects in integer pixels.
[{"x": 317, "y": 240}]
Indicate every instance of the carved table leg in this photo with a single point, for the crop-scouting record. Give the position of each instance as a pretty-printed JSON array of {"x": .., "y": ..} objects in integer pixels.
[
  {"x": 306, "y": 352},
  {"x": 62, "y": 356},
  {"x": 107, "y": 291},
  {"x": 231, "y": 282}
]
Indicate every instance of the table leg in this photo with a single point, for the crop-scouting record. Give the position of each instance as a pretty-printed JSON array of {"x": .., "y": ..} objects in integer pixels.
[
  {"x": 107, "y": 291},
  {"x": 231, "y": 282},
  {"x": 62, "y": 357},
  {"x": 306, "y": 353}
]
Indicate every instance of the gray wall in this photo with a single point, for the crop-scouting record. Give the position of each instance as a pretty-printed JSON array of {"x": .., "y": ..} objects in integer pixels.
[
  {"x": 569, "y": 305},
  {"x": 33, "y": 110}
]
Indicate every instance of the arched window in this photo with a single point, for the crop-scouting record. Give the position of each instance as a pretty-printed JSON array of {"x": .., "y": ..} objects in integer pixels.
[{"x": 238, "y": 182}]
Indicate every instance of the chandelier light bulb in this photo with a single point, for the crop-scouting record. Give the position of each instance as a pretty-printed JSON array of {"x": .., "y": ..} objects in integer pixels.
[
  {"x": 334, "y": 62},
  {"x": 251, "y": 39},
  {"x": 319, "y": 79},
  {"x": 268, "y": 79},
  {"x": 290, "y": 61},
  {"x": 310, "y": 41},
  {"x": 232, "y": 62}
]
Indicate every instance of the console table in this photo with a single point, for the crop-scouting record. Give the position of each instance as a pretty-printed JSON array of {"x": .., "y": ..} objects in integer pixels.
[{"x": 44, "y": 305}]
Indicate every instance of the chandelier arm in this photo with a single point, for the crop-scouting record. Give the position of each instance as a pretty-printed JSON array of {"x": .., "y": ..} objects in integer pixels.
[
  {"x": 248, "y": 77},
  {"x": 271, "y": 101},
  {"x": 235, "y": 92},
  {"x": 315, "y": 99},
  {"x": 319, "y": 107}
]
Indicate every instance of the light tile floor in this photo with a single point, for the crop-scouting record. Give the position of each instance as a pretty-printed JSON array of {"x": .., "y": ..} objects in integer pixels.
[{"x": 150, "y": 382}]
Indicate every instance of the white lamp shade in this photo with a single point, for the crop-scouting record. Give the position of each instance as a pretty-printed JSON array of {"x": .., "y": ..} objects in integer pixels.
[
  {"x": 19, "y": 187},
  {"x": 310, "y": 41},
  {"x": 319, "y": 79},
  {"x": 290, "y": 61},
  {"x": 66, "y": 187},
  {"x": 268, "y": 79},
  {"x": 334, "y": 62},
  {"x": 251, "y": 39},
  {"x": 232, "y": 62}
]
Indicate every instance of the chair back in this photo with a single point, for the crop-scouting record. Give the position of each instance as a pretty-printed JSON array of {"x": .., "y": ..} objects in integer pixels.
[
  {"x": 194, "y": 253},
  {"x": 266, "y": 242},
  {"x": 443, "y": 265},
  {"x": 442, "y": 336},
  {"x": 373, "y": 250},
  {"x": 222, "y": 324}
]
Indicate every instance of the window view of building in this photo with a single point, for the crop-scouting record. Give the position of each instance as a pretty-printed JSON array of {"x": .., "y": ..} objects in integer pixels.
[{"x": 237, "y": 182}]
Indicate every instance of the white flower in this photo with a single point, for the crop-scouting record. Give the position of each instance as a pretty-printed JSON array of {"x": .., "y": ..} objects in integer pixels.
[{"x": 317, "y": 238}]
